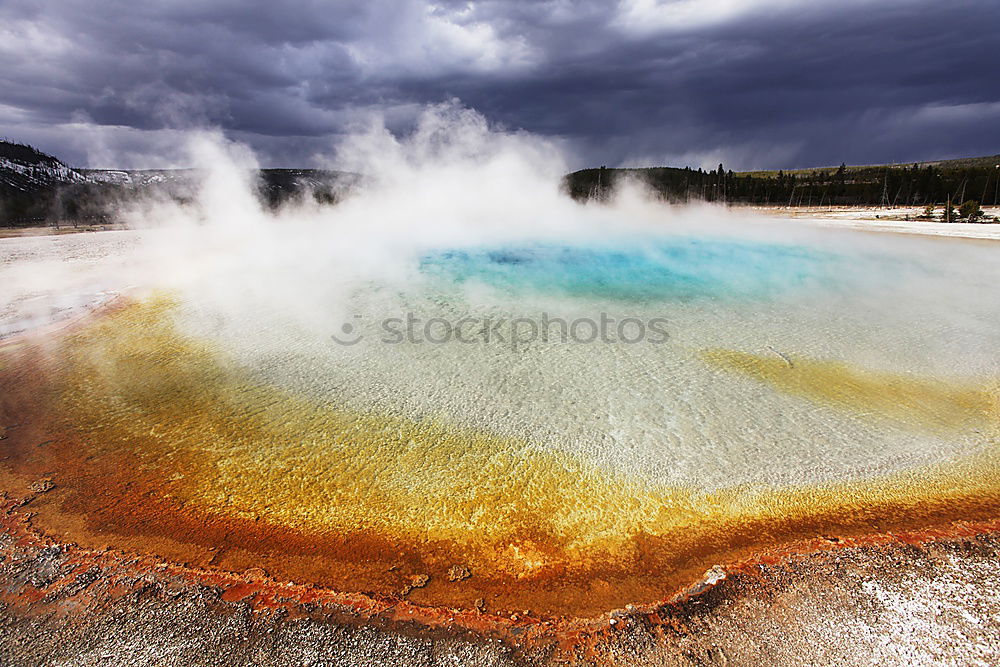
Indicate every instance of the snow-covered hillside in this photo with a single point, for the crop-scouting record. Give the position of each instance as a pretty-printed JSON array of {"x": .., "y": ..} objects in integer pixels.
[{"x": 24, "y": 169}]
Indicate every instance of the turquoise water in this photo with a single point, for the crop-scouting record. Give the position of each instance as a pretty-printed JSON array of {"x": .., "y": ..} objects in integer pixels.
[{"x": 684, "y": 268}]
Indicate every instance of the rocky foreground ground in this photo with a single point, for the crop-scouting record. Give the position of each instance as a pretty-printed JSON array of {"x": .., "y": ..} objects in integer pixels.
[{"x": 888, "y": 603}]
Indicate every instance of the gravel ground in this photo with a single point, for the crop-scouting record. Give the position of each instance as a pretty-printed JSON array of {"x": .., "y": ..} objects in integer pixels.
[{"x": 893, "y": 604}]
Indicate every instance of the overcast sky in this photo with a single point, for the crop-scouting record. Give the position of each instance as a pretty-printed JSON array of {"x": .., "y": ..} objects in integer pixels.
[{"x": 751, "y": 83}]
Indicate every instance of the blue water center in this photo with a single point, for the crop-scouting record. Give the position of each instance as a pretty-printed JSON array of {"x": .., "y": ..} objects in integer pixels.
[{"x": 675, "y": 268}]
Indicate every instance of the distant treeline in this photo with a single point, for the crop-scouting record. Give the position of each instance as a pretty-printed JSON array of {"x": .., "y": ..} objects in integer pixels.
[
  {"x": 36, "y": 188},
  {"x": 72, "y": 202},
  {"x": 102, "y": 202},
  {"x": 78, "y": 203},
  {"x": 915, "y": 185}
]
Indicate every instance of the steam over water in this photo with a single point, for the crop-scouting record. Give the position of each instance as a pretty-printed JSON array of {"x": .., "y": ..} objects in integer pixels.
[
  {"x": 791, "y": 361},
  {"x": 671, "y": 411}
]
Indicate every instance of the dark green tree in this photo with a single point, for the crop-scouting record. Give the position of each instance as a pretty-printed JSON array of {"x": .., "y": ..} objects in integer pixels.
[{"x": 970, "y": 210}]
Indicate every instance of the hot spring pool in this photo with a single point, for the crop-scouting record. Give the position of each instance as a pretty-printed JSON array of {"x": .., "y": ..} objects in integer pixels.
[{"x": 837, "y": 385}]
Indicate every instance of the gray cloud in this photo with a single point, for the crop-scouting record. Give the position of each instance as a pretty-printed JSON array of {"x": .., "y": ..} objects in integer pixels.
[{"x": 753, "y": 83}]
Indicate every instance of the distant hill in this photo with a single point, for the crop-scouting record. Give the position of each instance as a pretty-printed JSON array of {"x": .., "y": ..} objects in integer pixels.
[
  {"x": 987, "y": 162},
  {"x": 32, "y": 183},
  {"x": 24, "y": 168},
  {"x": 914, "y": 184},
  {"x": 37, "y": 188}
]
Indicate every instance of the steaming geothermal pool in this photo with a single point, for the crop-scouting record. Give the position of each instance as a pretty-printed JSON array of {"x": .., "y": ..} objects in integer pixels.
[{"x": 772, "y": 388}]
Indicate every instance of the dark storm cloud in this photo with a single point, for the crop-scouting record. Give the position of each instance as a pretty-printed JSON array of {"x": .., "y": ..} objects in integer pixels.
[{"x": 753, "y": 83}]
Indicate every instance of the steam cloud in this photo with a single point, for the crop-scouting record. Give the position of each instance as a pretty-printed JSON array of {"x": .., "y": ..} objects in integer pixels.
[{"x": 454, "y": 181}]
